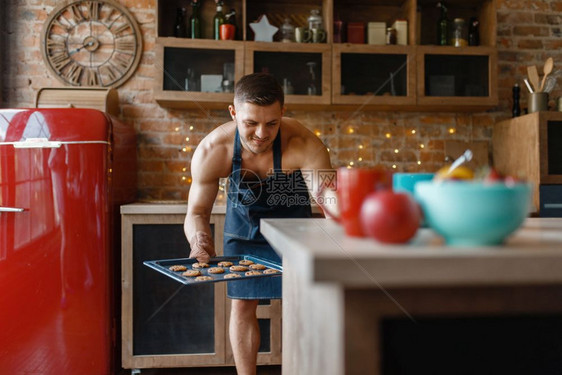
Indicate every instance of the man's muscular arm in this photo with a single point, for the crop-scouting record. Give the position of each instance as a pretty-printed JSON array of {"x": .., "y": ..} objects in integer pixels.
[{"x": 205, "y": 175}]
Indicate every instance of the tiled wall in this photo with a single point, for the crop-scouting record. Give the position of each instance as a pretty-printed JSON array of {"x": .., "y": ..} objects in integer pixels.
[{"x": 528, "y": 33}]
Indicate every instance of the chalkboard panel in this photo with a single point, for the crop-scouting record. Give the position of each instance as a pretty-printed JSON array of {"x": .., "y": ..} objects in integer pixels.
[
  {"x": 472, "y": 345},
  {"x": 168, "y": 317}
]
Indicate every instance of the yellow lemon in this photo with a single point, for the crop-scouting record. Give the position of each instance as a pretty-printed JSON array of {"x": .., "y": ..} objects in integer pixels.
[{"x": 459, "y": 173}]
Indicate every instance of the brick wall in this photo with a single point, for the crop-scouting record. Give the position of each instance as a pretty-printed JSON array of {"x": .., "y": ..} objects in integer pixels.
[{"x": 528, "y": 33}]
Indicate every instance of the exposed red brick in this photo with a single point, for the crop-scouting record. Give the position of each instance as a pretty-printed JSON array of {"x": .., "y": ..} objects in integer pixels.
[
  {"x": 530, "y": 44},
  {"x": 528, "y": 31}
]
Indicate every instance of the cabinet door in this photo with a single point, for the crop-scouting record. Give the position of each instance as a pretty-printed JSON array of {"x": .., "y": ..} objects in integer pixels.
[
  {"x": 165, "y": 323},
  {"x": 373, "y": 75},
  {"x": 197, "y": 70},
  {"x": 459, "y": 77},
  {"x": 302, "y": 69}
]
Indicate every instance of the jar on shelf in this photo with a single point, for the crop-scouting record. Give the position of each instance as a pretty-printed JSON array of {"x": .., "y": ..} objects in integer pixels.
[
  {"x": 287, "y": 31},
  {"x": 459, "y": 35},
  {"x": 315, "y": 20}
]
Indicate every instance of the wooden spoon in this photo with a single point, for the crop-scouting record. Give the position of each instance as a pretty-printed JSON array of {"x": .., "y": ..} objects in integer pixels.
[
  {"x": 533, "y": 77},
  {"x": 548, "y": 65}
]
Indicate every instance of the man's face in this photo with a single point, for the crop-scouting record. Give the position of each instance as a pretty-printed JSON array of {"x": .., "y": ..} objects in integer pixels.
[{"x": 258, "y": 125}]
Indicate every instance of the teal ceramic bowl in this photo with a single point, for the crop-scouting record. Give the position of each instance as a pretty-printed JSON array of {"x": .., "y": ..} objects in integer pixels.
[
  {"x": 406, "y": 181},
  {"x": 473, "y": 213}
]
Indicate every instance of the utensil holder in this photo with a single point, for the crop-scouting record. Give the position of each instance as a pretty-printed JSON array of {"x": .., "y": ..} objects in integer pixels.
[{"x": 538, "y": 101}]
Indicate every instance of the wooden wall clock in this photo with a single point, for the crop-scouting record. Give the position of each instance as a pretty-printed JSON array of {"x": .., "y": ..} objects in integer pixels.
[{"x": 91, "y": 43}]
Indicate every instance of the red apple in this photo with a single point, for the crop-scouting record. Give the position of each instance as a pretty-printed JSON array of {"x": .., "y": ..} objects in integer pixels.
[
  {"x": 493, "y": 177},
  {"x": 390, "y": 217}
]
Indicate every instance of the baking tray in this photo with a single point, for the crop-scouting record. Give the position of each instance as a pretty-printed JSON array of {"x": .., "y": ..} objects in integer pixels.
[{"x": 162, "y": 266}]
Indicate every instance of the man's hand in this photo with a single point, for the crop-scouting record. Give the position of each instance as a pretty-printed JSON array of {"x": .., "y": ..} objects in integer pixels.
[{"x": 202, "y": 247}]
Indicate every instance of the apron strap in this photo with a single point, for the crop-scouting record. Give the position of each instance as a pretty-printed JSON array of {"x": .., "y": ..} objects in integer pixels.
[
  {"x": 236, "y": 158},
  {"x": 277, "y": 152}
]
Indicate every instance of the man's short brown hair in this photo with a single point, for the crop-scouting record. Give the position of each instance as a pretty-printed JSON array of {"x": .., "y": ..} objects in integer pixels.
[{"x": 258, "y": 88}]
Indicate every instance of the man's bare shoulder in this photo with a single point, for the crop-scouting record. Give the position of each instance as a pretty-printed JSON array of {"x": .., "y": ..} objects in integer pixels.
[
  {"x": 214, "y": 152},
  {"x": 298, "y": 137},
  {"x": 300, "y": 144}
]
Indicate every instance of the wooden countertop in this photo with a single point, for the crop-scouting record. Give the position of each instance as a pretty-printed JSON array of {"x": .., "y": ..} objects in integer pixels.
[
  {"x": 319, "y": 249},
  {"x": 176, "y": 207},
  {"x": 165, "y": 207}
]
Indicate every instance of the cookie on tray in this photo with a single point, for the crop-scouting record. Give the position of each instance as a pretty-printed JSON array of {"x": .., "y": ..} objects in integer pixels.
[
  {"x": 239, "y": 268},
  {"x": 191, "y": 273},
  {"x": 203, "y": 278},
  {"x": 177, "y": 267},
  {"x": 257, "y": 266},
  {"x": 271, "y": 270},
  {"x": 216, "y": 270},
  {"x": 232, "y": 276},
  {"x": 245, "y": 262},
  {"x": 253, "y": 273},
  {"x": 224, "y": 263},
  {"x": 200, "y": 265}
]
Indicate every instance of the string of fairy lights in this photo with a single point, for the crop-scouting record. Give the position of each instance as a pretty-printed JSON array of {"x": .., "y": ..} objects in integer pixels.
[
  {"x": 388, "y": 135},
  {"x": 357, "y": 161}
]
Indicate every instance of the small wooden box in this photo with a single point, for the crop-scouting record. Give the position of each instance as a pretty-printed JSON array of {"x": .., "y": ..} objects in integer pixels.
[
  {"x": 105, "y": 100},
  {"x": 529, "y": 147},
  {"x": 356, "y": 32}
]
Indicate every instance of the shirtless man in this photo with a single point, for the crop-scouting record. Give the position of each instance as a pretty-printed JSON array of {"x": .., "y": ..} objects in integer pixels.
[{"x": 273, "y": 163}]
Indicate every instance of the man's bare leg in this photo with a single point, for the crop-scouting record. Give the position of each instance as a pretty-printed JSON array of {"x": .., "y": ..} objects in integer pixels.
[{"x": 244, "y": 335}]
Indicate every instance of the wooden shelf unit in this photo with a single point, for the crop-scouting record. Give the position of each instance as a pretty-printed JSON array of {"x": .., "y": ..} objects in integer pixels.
[{"x": 421, "y": 16}]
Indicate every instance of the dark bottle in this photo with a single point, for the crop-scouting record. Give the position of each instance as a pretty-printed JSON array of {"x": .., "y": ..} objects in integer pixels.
[
  {"x": 442, "y": 26},
  {"x": 218, "y": 20},
  {"x": 195, "y": 20},
  {"x": 516, "y": 111},
  {"x": 230, "y": 18},
  {"x": 180, "y": 28},
  {"x": 473, "y": 33}
]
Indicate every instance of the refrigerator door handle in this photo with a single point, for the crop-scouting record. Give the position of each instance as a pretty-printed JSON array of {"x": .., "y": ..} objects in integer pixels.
[{"x": 11, "y": 209}]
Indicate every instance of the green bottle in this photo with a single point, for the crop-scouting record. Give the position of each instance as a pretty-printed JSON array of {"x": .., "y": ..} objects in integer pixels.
[
  {"x": 442, "y": 26},
  {"x": 195, "y": 20},
  {"x": 218, "y": 20}
]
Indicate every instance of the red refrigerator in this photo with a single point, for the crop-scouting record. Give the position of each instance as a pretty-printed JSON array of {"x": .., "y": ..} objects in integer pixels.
[{"x": 63, "y": 174}]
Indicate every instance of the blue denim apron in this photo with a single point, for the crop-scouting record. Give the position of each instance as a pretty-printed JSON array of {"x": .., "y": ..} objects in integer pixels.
[{"x": 280, "y": 195}]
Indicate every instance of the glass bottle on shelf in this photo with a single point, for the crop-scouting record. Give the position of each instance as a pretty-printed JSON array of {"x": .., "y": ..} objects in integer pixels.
[
  {"x": 190, "y": 81},
  {"x": 516, "y": 110},
  {"x": 473, "y": 34},
  {"x": 442, "y": 25},
  {"x": 228, "y": 77},
  {"x": 218, "y": 20},
  {"x": 230, "y": 18},
  {"x": 287, "y": 87},
  {"x": 311, "y": 88},
  {"x": 180, "y": 28},
  {"x": 195, "y": 20}
]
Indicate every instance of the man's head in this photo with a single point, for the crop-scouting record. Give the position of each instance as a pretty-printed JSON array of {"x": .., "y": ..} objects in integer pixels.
[
  {"x": 258, "y": 88},
  {"x": 257, "y": 111}
]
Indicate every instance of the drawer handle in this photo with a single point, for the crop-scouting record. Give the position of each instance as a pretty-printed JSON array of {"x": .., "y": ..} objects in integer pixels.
[{"x": 11, "y": 209}]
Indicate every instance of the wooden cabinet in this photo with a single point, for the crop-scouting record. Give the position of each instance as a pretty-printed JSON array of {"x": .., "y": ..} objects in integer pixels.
[
  {"x": 417, "y": 76},
  {"x": 303, "y": 69},
  {"x": 382, "y": 76},
  {"x": 167, "y": 324},
  {"x": 456, "y": 77},
  {"x": 528, "y": 147},
  {"x": 186, "y": 63}
]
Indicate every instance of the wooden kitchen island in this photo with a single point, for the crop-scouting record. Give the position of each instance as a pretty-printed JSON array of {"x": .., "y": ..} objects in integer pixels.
[{"x": 354, "y": 306}]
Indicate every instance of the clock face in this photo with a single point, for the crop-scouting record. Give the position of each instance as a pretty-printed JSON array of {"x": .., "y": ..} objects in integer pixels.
[{"x": 91, "y": 43}]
